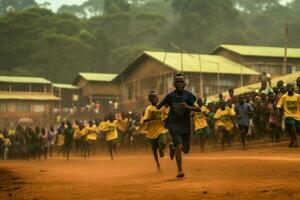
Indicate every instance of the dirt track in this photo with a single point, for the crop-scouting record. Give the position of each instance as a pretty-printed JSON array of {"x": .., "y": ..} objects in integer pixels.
[{"x": 260, "y": 173}]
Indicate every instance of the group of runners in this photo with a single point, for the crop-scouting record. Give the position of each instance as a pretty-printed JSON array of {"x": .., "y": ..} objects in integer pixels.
[{"x": 267, "y": 113}]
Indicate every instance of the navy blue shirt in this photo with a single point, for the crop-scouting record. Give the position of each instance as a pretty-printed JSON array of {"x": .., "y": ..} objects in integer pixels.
[{"x": 179, "y": 119}]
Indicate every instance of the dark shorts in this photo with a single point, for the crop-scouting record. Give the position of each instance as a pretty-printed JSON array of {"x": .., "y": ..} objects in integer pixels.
[
  {"x": 203, "y": 131},
  {"x": 112, "y": 142},
  {"x": 158, "y": 142},
  {"x": 244, "y": 128},
  {"x": 181, "y": 138},
  {"x": 289, "y": 121}
]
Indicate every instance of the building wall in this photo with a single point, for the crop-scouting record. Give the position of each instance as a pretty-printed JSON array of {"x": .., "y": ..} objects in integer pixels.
[
  {"x": 66, "y": 96},
  {"x": 152, "y": 75},
  {"x": 97, "y": 88},
  {"x": 270, "y": 65},
  {"x": 13, "y": 110}
]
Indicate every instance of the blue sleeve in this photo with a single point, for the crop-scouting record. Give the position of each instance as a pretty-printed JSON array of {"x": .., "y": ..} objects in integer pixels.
[
  {"x": 191, "y": 100},
  {"x": 166, "y": 101}
]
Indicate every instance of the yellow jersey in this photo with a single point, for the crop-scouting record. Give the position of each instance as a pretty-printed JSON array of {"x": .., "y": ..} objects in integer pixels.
[
  {"x": 123, "y": 124},
  {"x": 290, "y": 105},
  {"x": 111, "y": 129},
  {"x": 155, "y": 126},
  {"x": 223, "y": 118},
  {"x": 91, "y": 132},
  {"x": 60, "y": 139},
  {"x": 78, "y": 134},
  {"x": 200, "y": 118},
  {"x": 75, "y": 127}
]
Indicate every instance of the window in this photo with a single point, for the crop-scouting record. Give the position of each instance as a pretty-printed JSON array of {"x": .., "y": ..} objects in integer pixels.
[
  {"x": 292, "y": 69},
  {"x": 3, "y": 107},
  {"x": 38, "y": 108},
  {"x": 224, "y": 82},
  {"x": 23, "y": 107}
]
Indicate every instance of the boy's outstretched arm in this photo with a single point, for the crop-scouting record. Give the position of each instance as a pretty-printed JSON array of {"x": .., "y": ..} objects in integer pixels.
[
  {"x": 194, "y": 108},
  {"x": 162, "y": 103}
]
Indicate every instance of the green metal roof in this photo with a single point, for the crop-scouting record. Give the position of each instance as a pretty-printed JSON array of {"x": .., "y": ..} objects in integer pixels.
[
  {"x": 65, "y": 86},
  {"x": 290, "y": 78},
  {"x": 97, "y": 76},
  {"x": 262, "y": 51},
  {"x": 209, "y": 63},
  {"x": 29, "y": 97},
  {"x": 23, "y": 79}
]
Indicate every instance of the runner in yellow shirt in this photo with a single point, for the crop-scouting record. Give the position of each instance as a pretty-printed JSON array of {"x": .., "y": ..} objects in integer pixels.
[
  {"x": 76, "y": 137},
  {"x": 91, "y": 137},
  {"x": 110, "y": 127},
  {"x": 223, "y": 122},
  {"x": 123, "y": 128},
  {"x": 81, "y": 133},
  {"x": 101, "y": 133},
  {"x": 290, "y": 103},
  {"x": 154, "y": 125},
  {"x": 200, "y": 120}
]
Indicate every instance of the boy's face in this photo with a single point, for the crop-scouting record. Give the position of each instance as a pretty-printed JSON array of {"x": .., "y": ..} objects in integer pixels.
[
  {"x": 290, "y": 87},
  {"x": 222, "y": 105},
  {"x": 111, "y": 117},
  {"x": 69, "y": 124},
  {"x": 179, "y": 83},
  {"x": 153, "y": 98},
  {"x": 241, "y": 100}
]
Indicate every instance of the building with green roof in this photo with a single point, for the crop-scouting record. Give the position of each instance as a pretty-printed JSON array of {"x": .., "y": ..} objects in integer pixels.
[
  {"x": 97, "y": 88},
  {"x": 154, "y": 70},
  {"x": 68, "y": 94},
  {"x": 262, "y": 58},
  {"x": 29, "y": 98}
]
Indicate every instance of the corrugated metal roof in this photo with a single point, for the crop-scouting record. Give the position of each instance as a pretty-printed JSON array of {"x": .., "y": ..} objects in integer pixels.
[
  {"x": 103, "y": 77},
  {"x": 65, "y": 86},
  {"x": 23, "y": 79},
  {"x": 290, "y": 78},
  {"x": 28, "y": 97},
  {"x": 262, "y": 51},
  {"x": 209, "y": 63}
]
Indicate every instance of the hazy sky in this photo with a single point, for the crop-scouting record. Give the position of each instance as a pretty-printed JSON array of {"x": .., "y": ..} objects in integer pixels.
[{"x": 55, "y": 4}]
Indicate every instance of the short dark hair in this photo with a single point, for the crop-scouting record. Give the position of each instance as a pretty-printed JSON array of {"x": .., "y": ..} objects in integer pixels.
[
  {"x": 179, "y": 74},
  {"x": 152, "y": 93}
]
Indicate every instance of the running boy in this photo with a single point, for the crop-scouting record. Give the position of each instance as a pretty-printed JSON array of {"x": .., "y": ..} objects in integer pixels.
[
  {"x": 223, "y": 123},
  {"x": 68, "y": 139},
  {"x": 153, "y": 119},
  {"x": 290, "y": 102},
  {"x": 201, "y": 127},
  {"x": 110, "y": 127},
  {"x": 181, "y": 103}
]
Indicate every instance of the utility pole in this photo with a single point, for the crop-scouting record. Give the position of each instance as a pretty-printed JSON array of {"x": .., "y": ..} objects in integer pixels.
[{"x": 284, "y": 70}]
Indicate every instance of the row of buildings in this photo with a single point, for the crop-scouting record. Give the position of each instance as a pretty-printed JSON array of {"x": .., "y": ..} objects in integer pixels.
[{"x": 38, "y": 100}]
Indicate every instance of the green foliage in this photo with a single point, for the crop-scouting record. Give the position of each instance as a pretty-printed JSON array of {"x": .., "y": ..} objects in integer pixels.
[
  {"x": 107, "y": 35},
  {"x": 15, "y": 5}
]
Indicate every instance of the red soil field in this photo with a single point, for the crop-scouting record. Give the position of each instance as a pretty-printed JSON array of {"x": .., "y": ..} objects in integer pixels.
[{"x": 256, "y": 173}]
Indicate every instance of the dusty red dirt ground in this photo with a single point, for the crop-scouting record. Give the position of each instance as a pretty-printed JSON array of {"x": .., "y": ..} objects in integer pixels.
[{"x": 257, "y": 173}]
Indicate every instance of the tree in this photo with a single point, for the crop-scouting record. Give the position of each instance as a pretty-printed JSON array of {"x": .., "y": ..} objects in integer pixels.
[
  {"x": 116, "y": 6},
  {"x": 256, "y": 6},
  {"x": 15, "y": 5}
]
